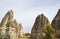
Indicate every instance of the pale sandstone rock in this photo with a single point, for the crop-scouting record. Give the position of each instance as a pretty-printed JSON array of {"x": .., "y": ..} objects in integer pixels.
[{"x": 9, "y": 27}]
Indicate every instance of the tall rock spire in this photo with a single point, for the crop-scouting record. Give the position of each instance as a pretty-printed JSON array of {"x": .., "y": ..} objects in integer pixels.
[
  {"x": 7, "y": 17},
  {"x": 9, "y": 27},
  {"x": 37, "y": 30},
  {"x": 56, "y": 24}
]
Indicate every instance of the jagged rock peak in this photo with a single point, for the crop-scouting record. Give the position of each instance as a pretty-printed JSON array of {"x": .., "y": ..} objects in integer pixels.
[
  {"x": 10, "y": 27},
  {"x": 20, "y": 25},
  {"x": 56, "y": 25},
  {"x": 40, "y": 16},
  {"x": 7, "y": 17},
  {"x": 10, "y": 12},
  {"x": 37, "y": 28},
  {"x": 42, "y": 19},
  {"x": 58, "y": 13},
  {"x": 55, "y": 22},
  {"x": 15, "y": 22}
]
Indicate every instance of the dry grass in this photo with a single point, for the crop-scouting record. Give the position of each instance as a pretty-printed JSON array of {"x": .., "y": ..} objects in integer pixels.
[
  {"x": 23, "y": 38},
  {"x": 26, "y": 37}
]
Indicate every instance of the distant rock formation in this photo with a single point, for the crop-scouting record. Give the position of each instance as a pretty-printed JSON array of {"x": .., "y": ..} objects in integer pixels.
[
  {"x": 37, "y": 30},
  {"x": 9, "y": 28},
  {"x": 56, "y": 25}
]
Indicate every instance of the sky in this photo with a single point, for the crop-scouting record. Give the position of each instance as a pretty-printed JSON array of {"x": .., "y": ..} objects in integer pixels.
[{"x": 26, "y": 11}]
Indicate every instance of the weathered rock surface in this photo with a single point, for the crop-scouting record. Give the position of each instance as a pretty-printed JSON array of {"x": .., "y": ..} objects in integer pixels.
[
  {"x": 56, "y": 25},
  {"x": 37, "y": 30},
  {"x": 9, "y": 28}
]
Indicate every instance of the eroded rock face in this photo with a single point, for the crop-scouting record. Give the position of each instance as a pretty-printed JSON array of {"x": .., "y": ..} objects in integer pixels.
[
  {"x": 9, "y": 27},
  {"x": 20, "y": 32},
  {"x": 56, "y": 25},
  {"x": 37, "y": 30}
]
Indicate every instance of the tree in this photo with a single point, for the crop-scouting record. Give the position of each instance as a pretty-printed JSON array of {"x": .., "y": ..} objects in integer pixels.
[
  {"x": 48, "y": 31},
  {"x": 27, "y": 34}
]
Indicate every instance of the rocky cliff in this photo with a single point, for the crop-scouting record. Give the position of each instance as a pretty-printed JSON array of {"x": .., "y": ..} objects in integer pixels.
[
  {"x": 37, "y": 30},
  {"x": 56, "y": 25},
  {"x": 10, "y": 29}
]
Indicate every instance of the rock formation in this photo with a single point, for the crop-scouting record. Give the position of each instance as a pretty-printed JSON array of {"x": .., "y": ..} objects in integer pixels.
[
  {"x": 37, "y": 30},
  {"x": 9, "y": 28},
  {"x": 56, "y": 25}
]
